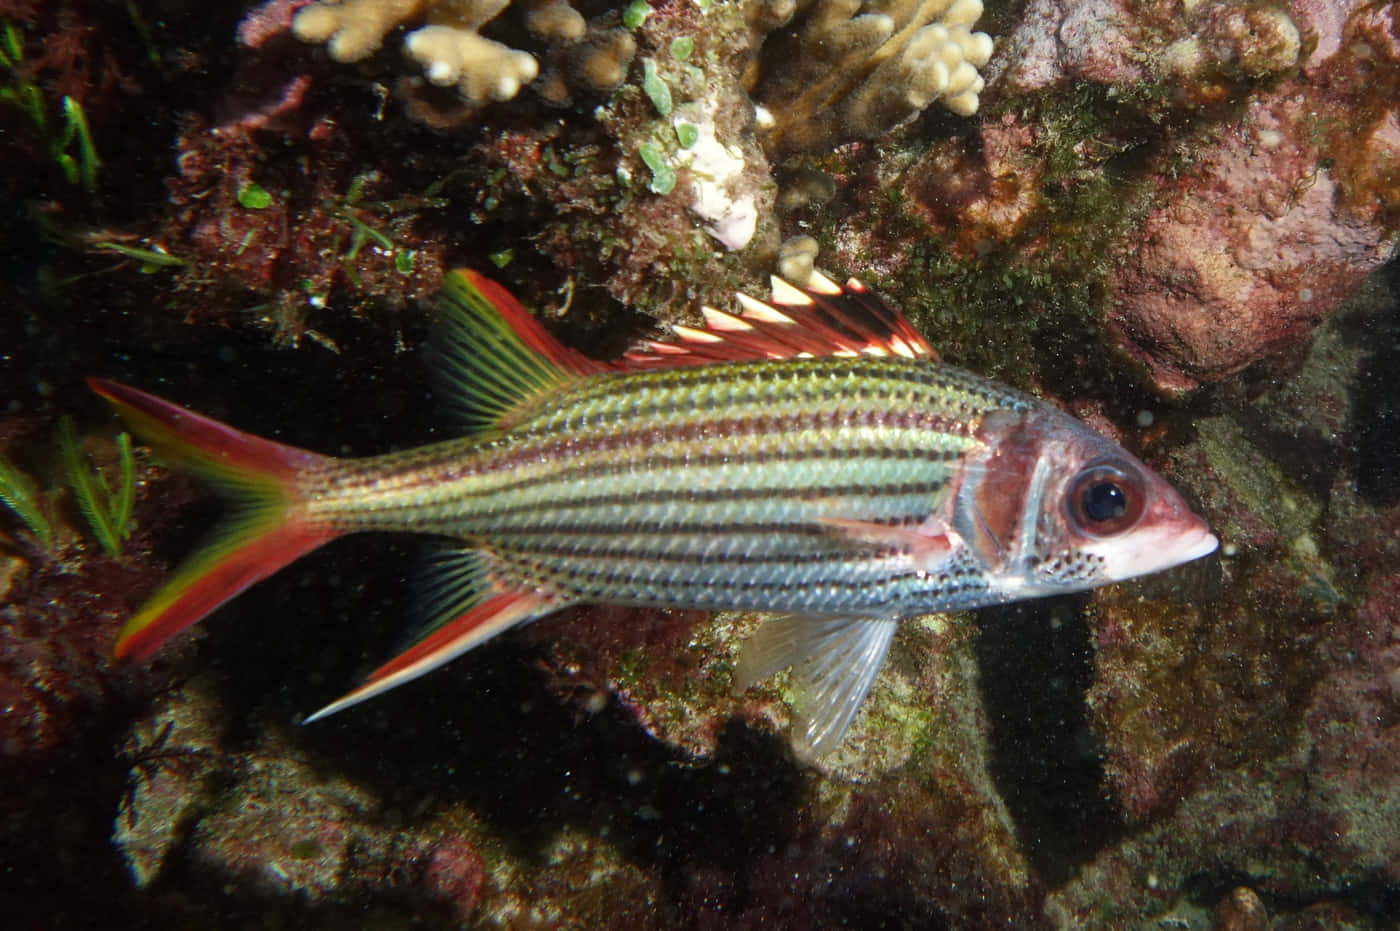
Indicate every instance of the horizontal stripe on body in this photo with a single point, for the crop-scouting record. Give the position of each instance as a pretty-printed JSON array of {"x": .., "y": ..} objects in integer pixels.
[
  {"x": 698, "y": 487},
  {"x": 892, "y": 384},
  {"x": 655, "y": 409},
  {"x": 872, "y": 585}
]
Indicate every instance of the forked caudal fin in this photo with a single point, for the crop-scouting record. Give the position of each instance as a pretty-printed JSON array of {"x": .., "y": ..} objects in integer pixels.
[{"x": 258, "y": 476}]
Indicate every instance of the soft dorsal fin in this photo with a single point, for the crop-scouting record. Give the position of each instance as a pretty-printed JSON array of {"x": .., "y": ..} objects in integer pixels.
[
  {"x": 821, "y": 319},
  {"x": 494, "y": 358}
]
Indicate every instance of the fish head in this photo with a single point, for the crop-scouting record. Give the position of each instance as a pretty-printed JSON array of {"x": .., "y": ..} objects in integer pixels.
[{"x": 1052, "y": 506}]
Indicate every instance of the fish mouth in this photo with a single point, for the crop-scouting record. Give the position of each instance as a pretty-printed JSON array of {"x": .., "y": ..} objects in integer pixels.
[
  {"x": 1168, "y": 546},
  {"x": 1173, "y": 534},
  {"x": 1184, "y": 536},
  {"x": 1207, "y": 544}
]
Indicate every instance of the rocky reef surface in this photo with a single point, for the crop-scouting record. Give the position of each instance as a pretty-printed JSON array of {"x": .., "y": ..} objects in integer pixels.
[{"x": 1178, "y": 220}]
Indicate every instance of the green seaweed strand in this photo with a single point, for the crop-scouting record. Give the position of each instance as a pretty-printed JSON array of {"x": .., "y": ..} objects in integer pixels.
[
  {"x": 83, "y": 168},
  {"x": 20, "y": 90},
  {"x": 19, "y": 493},
  {"x": 109, "y": 515}
]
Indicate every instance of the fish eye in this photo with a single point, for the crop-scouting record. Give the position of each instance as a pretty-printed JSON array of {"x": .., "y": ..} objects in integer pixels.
[{"x": 1105, "y": 499}]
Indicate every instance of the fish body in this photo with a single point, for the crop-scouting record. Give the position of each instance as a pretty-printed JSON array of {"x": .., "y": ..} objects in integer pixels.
[{"x": 812, "y": 458}]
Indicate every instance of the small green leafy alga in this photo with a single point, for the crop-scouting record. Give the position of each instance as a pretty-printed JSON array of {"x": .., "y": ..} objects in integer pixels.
[
  {"x": 254, "y": 197},
  {"x": 635, "y": 13},
  {"x": 655, "y": 88},
  {"x": 663, "y": 176}
]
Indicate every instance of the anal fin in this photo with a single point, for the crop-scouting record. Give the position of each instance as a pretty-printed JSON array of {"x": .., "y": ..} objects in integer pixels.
[
  {"x": 445, "y": 644},
  {"x": 466, "y": 605},
  {"x": 835, "y": 661}
]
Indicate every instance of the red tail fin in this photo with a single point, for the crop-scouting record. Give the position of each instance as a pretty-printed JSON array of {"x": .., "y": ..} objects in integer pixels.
[{"x": 264, "y": 534}]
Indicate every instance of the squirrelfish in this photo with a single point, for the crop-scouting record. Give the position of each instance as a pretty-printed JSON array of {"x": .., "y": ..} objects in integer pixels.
[{"x": 808, "y": 456}]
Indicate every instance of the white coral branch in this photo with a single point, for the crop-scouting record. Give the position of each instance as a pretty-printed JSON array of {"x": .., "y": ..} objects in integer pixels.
[{"x": 482, "y": 70}]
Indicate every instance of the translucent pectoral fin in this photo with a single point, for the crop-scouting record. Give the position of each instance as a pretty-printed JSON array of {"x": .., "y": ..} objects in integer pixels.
[{"x": 834, "y": 660}]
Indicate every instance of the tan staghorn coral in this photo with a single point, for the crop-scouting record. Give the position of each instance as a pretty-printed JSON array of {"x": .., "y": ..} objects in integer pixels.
[
  {"x": 354, "y": 29},
  {"x": 555, "y": 19},
  {"x": 448, "y": 47},
  {"x": 481, "y": 69},
  {"x": 453, "y": 53},
  {"x": 833, "y": 71}
]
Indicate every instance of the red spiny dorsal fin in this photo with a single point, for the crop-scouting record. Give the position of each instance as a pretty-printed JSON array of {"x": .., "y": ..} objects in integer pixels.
[{"x": 821, "y": 319}]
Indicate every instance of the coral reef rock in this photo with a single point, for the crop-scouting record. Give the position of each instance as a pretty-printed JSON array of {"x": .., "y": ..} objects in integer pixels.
[
  {"x": 832, "y": 71},
  {"x": 172, "y": 758},
  {"x": 1249, "y": 734},
  {"x": 1262, "y": 225},
  {"x": 1203, "y": 292}
]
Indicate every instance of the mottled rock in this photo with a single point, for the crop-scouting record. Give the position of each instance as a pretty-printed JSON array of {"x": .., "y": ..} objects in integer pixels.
[
  {"x": 1244, "y": 236},
  {"x": 1247, "y": 252},
  {"x": 1241, "y": 910},
  {"x": 173, "y": 757}
]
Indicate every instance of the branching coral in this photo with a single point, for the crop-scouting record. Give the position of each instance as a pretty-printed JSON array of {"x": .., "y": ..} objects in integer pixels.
[
  {"x": 839, "y": 70},
  {"x": 829, "y": 71},
  {"x": 481, "y": 69},
  {"x": 453, "y": 53},
  {"x": 596, "y": 61},
  {"x": 449, "y": 47},
  {"x": 354, "y": 29}
]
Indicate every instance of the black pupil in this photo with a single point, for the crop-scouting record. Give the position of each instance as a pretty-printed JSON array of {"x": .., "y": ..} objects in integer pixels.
[{"x": 1104, "y": 501}]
